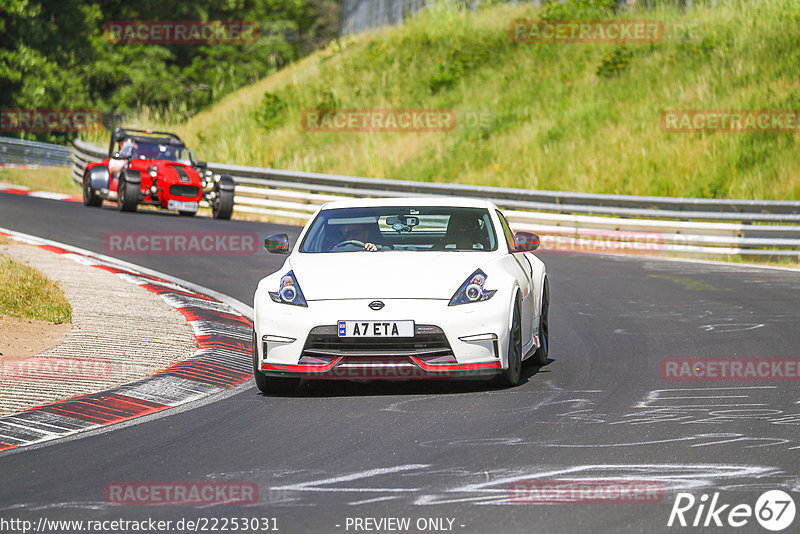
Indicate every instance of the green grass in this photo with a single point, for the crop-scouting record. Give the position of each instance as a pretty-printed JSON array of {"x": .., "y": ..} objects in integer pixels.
[
  {"x": 53, "y": 179},
  {"x": 567, "y": 117},
  {"x": 28, "y": 294}
]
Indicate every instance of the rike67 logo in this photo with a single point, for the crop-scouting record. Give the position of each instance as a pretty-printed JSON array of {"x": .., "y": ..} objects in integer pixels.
[{"x": 774, "y": 510}]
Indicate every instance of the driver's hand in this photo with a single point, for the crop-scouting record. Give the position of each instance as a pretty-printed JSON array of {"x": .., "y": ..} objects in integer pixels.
[{"x": 370, "y": 247}]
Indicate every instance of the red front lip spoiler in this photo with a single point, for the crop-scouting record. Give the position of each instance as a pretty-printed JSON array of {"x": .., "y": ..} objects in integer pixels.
[
  {"x": 302, "y": 368},
  {"x": 454, "y": 367}
]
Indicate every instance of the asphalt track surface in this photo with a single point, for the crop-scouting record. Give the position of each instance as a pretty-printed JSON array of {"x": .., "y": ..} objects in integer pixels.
[{"x": 600, "y": 409}]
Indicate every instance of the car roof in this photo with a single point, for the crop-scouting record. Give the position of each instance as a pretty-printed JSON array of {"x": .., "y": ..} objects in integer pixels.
[{"x": 461, "y": 202}]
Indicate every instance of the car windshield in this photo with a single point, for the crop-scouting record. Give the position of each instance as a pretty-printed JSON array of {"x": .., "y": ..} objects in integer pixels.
[
  {"x": 406, "y": 228},
  {"x": 162, "y": 151}
]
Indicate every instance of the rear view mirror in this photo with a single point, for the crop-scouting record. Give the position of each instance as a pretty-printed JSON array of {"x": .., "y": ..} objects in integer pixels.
[
  {"x": 277, "y": 244},
  {"x": 526, "y": 241},
  {"x": 402, "y": 223}
]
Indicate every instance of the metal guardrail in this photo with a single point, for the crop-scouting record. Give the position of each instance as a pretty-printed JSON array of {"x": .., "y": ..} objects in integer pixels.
[
  {"x": 571, "y": 221},
  {"x": 20, "y": 152}
]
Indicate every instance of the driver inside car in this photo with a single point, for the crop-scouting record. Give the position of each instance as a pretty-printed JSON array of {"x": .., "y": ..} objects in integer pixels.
[
  {"x": 120, "y": 159},
  {"x": 360, "y": 232}
]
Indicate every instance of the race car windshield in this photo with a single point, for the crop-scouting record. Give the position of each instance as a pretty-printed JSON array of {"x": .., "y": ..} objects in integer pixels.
[
  {"x": 178, "y": 154},
  {"x": 404, "y": 228}
]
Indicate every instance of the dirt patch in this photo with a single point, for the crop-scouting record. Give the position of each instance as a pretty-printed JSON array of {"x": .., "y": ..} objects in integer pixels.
[{"x": 23, "y": 338}]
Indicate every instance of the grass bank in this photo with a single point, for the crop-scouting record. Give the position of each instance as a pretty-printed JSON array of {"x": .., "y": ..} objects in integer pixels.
[
  {"x": 568, "y": 117},
  {"x": 53, "y": 179},
  {"x": 27, "y": 294}
]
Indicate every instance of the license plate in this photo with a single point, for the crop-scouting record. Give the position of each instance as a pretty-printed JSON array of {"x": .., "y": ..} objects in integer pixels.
[
  {"x": 182, "y": 205},
  {"x": 376, "y": 328}
]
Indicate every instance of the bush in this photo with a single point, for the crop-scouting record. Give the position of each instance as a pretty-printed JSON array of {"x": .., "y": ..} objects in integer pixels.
[
  {"x": 615, "y": 62},
  {"x": 270, "y": 113}
]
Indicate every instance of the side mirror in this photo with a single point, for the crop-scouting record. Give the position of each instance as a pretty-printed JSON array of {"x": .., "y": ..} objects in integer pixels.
[
  {"x": 277, "y": 244},
  {"x": 526, "y": 241}
]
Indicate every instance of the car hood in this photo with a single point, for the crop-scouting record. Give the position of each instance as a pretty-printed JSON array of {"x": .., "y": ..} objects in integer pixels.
[
  {"x": 383, "y": 275},
  {"x": 171, "y": 171}
]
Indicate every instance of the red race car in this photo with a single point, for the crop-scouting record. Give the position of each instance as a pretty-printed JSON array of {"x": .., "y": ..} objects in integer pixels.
[{"x": 155, "y": 168}]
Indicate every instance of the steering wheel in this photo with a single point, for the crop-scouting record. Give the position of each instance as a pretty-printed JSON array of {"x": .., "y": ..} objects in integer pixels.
[{"x": 360, "y": 244}]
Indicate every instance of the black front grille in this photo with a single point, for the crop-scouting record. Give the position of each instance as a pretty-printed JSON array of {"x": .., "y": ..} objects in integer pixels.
[
  {"x": 180, "y": 190},
  {"x": 427, "y": 341}
]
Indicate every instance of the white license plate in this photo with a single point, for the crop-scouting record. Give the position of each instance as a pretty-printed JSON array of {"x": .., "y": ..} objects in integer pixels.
[
  {"x": 182, "y": 205},
  {"x": 376, "y": 328}
]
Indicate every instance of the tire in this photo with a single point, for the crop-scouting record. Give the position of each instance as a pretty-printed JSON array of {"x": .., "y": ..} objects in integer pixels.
[
  {"x": 187, "y": 213},
  {"x": 90, "y": 197},
  {"x": 270, "y": 384},
  {"x": 127, "y": 195},
  {"x": 222, "y": 207},
  {"x": 540, "y": 357},
  {"x": 513, "y": 374}
]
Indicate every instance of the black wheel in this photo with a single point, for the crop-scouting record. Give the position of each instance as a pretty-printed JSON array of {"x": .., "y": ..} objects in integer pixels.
[
  {"x": 90, "y": 197},
  {"x": 512, "y": 375},
  {"x": 187, "y": 213},
  {"x": 540, "y": 357},
  {"x": 271, "y": 384},
  {"x": 222, "y": 207},
  {"x": 127, "y": 195}
]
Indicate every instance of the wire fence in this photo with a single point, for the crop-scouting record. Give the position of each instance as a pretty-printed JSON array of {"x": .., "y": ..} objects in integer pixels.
[{"x": 361, "y": 15}]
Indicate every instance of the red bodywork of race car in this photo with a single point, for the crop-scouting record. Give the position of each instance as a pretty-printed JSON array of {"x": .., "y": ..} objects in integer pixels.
[
  {"x": 155, "y": 168},
  {"x": 174, "y": 182}
]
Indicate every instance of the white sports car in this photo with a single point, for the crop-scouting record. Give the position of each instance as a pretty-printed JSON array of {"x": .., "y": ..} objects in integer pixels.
[{"x": 401, "y": 288}]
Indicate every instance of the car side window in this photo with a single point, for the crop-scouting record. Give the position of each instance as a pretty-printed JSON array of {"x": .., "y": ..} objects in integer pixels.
[{"x": 507, "y": 232}]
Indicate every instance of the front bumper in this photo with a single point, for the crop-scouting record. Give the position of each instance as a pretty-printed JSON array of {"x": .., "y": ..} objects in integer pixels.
[{"x": 467, "y": 341}]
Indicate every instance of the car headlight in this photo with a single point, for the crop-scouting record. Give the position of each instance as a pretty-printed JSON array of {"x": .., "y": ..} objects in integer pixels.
[
  {"x": 152, "y": 171},
  {"x": 472, "y": 290},
  {"x": 289, "y": 291}
]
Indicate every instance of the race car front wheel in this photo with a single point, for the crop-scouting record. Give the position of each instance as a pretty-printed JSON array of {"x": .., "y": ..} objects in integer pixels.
[
  {"x": 222, "y": 207},
  {"x": 271, "y": 384},
  {"x": 90, "y": 197},
  {"x": 513, "y": 373},
  {"x": 127, "y": 195}
]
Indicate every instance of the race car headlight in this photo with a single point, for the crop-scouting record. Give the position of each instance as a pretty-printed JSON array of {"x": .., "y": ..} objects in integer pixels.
[
  {"x": 472, "y": 290},
  {"x": 289, "y": 292},
  {"x": 152, "y": 171}
]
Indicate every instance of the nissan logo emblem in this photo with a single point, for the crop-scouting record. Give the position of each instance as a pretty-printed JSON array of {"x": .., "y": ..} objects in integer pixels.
[{"x": 376, "y": 305}]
